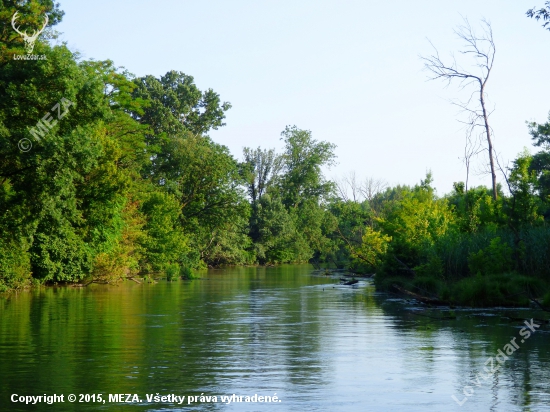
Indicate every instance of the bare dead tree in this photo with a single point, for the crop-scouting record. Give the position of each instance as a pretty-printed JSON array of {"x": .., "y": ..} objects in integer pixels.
[
  {"x": 371, "y": 187},
  {"x": 505, "y": 173},
  {"x": 472, "y": 148},
  {"x": 349, "y": 187},
  {"x": 342, "y": 189},
  {"x": 348, "y": 183},
  {"x": 262, "y": 168},
  {"x": 482, "y": 49},
  {"x": 351, "y": 180}
]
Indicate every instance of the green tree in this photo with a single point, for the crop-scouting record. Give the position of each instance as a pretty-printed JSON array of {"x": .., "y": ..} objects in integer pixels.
[
  {"x": 476, "y": 210},
  {"x": 278, "y": 239},
  {"x": 303, "y": 159},
  {"x": 260, "y": 170},
  {"x": 352, "y": 219},
  {"x": 201, "y": 174},
  {"x": 49, "y": 179},
  {"x": 72, "y": 191},
  {"x": 414, "y": 223},
  {"x": 205, "y": 179},
  {"x": 540, "y": 163},
  {"x": 305, "y": 192},
  {"x": 175, "y": 108},
  {"x": 524, "y": 205}
]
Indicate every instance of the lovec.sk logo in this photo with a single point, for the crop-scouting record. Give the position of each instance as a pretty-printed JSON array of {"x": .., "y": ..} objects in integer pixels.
[{"x": 29, "y": 40}]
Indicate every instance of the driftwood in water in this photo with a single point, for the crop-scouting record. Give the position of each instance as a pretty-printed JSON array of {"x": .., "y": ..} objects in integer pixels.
[
  {"x": 516, "y": 319},
  {"x": 423, "y": 299},
  {"x": 450, "y": 317},
  {"x": 539, "y": 304}
]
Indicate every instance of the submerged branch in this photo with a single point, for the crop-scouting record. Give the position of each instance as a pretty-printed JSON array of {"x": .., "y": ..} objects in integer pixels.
[{"x": 423, "y": 299}]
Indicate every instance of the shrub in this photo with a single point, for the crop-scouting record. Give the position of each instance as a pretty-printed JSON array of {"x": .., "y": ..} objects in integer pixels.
[
  {"x": 186, "y": 273},
  {"x": 428, "y": 284},
  {"x": 496, "y": 258},
  {"x": 172, "y": 271}
]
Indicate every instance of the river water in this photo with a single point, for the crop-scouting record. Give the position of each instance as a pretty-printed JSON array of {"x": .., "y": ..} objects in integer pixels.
[{"x": 285, "y": 332}]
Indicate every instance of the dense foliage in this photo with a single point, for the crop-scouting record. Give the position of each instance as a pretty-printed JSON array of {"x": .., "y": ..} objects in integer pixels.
[
  {"x": 467, "y": 247},
  {"x": 105, "y": 176}
]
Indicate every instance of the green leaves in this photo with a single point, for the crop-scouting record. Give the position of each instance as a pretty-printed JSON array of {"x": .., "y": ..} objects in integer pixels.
[
  {"x": 276, "y": 238},
  {"x": 164, "y": 243},
  {"x": 540, "y": 163},
  {"x": 494, "y": 259},
  {"x": 176, "y": 104},
  {"x": 303, "y": 159},
  {"x": 288, "y": 193},
  {"x": 524, "y": 206},
  {"x": 373, "y": 248}
]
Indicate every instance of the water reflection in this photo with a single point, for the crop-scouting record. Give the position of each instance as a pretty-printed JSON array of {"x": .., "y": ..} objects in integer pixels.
[{"x": 318, "y": 345}]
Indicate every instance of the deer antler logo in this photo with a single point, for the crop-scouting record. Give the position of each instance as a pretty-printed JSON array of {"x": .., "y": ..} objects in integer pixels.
[{"x": 29, "y": 40}]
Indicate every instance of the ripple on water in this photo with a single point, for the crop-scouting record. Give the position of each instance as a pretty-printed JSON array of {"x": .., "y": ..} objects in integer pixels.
[{"x": 319, "y": 345}]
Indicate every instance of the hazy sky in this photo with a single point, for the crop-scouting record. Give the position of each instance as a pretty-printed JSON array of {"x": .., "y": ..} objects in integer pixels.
[{"x": 349, "y": 71}]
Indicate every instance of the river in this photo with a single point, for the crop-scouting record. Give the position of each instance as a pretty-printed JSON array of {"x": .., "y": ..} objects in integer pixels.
[{"x": 304, "y": 341}]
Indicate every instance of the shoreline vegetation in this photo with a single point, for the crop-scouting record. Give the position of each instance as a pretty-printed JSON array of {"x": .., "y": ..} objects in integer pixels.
[{"x": 127, "y": 184}]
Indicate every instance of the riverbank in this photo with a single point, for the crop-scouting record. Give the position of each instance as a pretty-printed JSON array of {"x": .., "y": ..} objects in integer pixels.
[
  {"x": 510, "y": 290},
  {"x": 482, "y": 291}
]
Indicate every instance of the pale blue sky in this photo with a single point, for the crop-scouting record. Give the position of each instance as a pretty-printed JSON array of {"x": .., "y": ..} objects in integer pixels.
[{"x": 347, "y": 70}]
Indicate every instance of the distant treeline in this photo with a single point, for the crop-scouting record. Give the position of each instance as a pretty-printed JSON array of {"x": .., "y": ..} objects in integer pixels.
[{"x": 106, "y": 176}]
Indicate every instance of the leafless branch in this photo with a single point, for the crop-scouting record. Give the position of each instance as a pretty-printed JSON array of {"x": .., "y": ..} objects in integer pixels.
[
  {"x": 371, "y": 187},
  {"x": 481, "y": 48},
  {"x": 505, "y": 173},
  {"x": 350, "y": 188}
]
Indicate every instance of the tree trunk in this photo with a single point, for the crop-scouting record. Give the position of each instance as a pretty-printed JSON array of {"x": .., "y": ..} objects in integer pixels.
[{"x": 489, "y": 142}]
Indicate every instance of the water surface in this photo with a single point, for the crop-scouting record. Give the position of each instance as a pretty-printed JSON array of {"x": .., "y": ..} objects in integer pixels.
[{"x": 317, "y": 345}]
